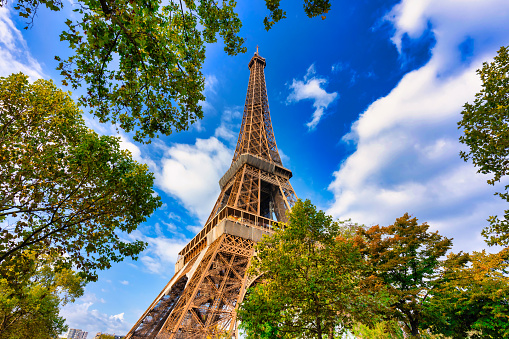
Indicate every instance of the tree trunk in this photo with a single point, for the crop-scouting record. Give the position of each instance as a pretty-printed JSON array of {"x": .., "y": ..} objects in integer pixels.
[
  {"x": 319, "y": 327},
  {"x": 414, "y": 328}
]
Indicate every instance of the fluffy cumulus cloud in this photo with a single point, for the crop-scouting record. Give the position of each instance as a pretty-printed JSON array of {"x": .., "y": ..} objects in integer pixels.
[
  {"x": 407, "y": 147},
  {"x": 83, "y": 315},
  {"x": 312, "y": 88},
  {"x": 161, "y": 253},
  {"x": 14, "y": 53},
  {"x": 126, "y": 144},
  {"x": 191, "y": 172}
]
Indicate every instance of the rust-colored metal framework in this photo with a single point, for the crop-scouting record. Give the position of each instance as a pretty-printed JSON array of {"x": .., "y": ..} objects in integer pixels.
[{"x": 201, "y": 299}]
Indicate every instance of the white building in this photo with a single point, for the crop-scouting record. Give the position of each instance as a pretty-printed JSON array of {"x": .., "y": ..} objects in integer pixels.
[{"x": 76, "y": 334}]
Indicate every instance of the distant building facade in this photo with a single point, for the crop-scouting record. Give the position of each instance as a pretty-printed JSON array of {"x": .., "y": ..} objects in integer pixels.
[{"x": 76, "y": 334}]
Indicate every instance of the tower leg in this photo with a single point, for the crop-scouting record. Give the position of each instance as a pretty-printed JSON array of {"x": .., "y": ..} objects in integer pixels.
[{"x": 207, "y": 306}]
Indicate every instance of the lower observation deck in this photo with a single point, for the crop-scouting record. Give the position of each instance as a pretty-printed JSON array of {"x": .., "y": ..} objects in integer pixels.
[{"x": 242, "y": 224}]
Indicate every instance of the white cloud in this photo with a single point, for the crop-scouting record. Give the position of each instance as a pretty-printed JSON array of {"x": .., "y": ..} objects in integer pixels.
[
  {"x": 310, "y": 72},
  {"x": 174, "y": 216},
  {"x": 14, "y": 53},
  {"x": 194, "y": 229},
  {"x": 124, "y": 282},
  {"x": 101, "y": 128},
  {"x": 210, "y": 90},
  {"x": 225, "y": 133},
  {"x": 82, "y": 315},
  {"x": 230, "y": 124},
  {"x": 191, "y": 173},
  {"x": 285, "y": 159},
  {"x": 408, "y": 18},
  {"x": 311, "y": 87},
  {"x": 161, "y": 252},
  {"x": 136, "y": 153},
  {"x": 407, "y": 142},
  {"x": 211, "y": 83},
  {"x": 170, "y": 226},
  {"x": 452, "y": 22}
]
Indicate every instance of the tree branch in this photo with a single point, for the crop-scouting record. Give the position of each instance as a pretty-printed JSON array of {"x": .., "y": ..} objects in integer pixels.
[
  {"x": 104, "y": 6},
  {"x": 26, "y": 241}
]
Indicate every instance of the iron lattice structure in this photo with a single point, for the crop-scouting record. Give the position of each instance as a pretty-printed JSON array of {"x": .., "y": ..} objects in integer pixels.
[{"x": 201, "y": 299}]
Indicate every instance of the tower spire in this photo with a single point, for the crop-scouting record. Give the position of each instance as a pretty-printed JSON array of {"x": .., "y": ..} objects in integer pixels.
[
  {"x": 256, "y": 153},
  {"x": 210, "y": 280},
  {"x": 256, "y": 136}
]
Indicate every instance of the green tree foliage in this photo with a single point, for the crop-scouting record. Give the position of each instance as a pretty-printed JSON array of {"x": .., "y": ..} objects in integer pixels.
[
  {"x": 473, "y": 298},
  {"x": 405, "y": 256},
  {"x": 485, "y": 125},
  {"x": 141, "y": 60},
  {"x": 381, "y": 330},
  {"x": 312, "y": 8},
  {"x": 314, "y": 280},
  {"x": 64, "y": 190},
  {"x": 30, "y": 300}
]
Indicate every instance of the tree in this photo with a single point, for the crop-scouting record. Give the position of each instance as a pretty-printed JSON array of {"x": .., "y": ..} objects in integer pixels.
[
  {"x": 314, "y": 280},
  {"x": 381, "y": 330},
  {"x": 405, "y": 256},
  {"x": 64, "y": 191},
  {"x": 141, "y": 60},
  {"x": 474, "y": 296},
  {"x": 30, "y": 300},
  {"x": 485, "y": 125},
  {"x": 312, "y": 8}
]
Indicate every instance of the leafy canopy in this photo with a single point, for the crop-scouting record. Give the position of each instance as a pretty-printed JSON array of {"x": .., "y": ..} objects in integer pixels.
[
  {"x": 485, "y": 124},
  {"x": 389, "y": 329},
  {"x": 31, "y": 298},
  {"x": 63, "y": 188},
  {"x": 141, "y": 60},
  {"x": 315, "y": 280},
  {"x": 473, "y": 297},
  {"x": 406, "y": 257},
  {"x": 312, "y": 8}
]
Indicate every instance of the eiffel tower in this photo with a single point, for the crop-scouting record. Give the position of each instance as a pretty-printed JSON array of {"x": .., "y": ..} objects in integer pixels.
[{"x": 210, "y": 278}]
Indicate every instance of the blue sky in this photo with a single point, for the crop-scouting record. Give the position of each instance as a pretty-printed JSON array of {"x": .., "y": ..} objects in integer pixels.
[{"x": 364, "y": 106}]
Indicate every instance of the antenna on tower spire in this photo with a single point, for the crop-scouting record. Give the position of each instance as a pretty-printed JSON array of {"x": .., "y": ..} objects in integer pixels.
[{"x": 256, "y": 49}]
